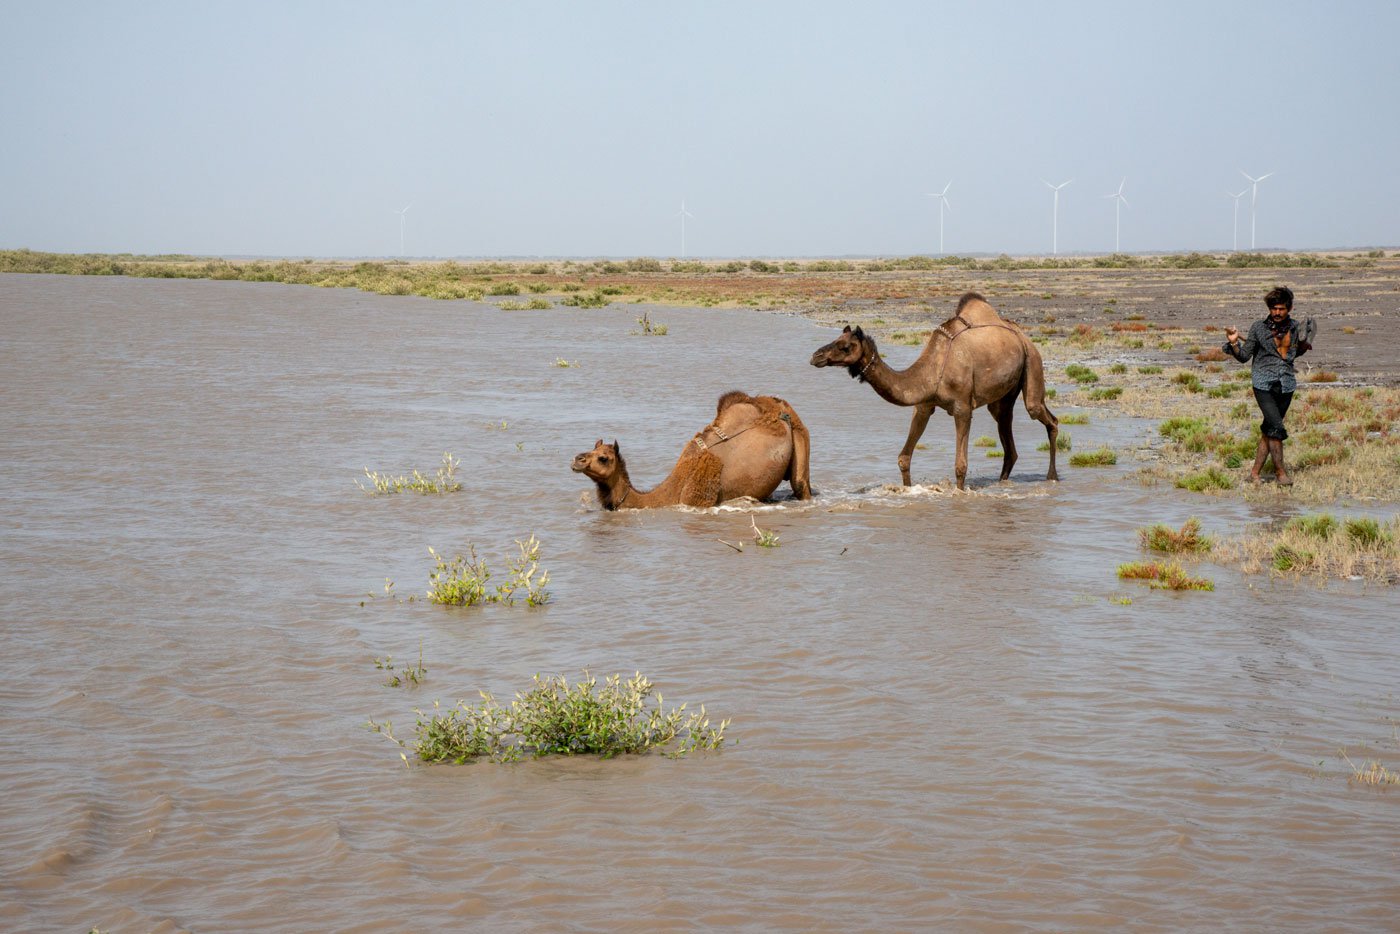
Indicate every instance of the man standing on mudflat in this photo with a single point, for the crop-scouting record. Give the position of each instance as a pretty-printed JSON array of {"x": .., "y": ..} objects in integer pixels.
[{"x": 1273, "y": 343}]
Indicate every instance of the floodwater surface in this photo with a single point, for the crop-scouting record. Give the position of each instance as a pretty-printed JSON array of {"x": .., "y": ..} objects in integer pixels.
[{"x": 941, "y": 716}]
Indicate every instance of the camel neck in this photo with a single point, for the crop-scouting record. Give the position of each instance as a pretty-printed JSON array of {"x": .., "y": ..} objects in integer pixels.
[{"x": 909, "y": 386}]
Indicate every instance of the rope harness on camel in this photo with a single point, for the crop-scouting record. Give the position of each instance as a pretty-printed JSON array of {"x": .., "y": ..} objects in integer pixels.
[
  {"x": 967, "y": 326},
  {"x": 699, "y": 439}
]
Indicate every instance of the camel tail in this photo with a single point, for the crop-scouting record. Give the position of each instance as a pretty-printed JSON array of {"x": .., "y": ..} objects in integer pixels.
[
  {"x": 732, "y": 397},
  {"x": 1033, "y": 386},
  {"x": 1033, "y": 383}
]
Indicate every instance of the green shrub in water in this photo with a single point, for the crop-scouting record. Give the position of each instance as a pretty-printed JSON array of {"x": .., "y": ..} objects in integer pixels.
[
  {"x": 557, "y": 718},
  {"x": 462, "y": 580}
]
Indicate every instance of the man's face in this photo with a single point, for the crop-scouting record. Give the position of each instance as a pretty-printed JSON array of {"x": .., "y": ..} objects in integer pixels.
[{"x": 1278, "y": 312}]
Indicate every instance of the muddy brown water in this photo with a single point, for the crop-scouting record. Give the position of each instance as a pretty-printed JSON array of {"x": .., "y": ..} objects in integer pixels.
[{"x": 940, "y": 719}]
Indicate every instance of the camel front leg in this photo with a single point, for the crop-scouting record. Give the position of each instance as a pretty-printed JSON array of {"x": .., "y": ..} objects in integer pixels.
[
  {"x": 917, "y": 424},
  {"x": 962, "y": 418}
]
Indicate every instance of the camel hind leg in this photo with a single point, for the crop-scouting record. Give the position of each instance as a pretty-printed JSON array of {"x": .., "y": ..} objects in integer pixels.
[
  {"x": 800, "y": 466},
  {"x": 1002, "y": 410}
]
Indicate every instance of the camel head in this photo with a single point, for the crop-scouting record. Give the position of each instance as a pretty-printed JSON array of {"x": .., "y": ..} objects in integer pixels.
[
  {"x": 599, "y": 464},
  {"x": 850, "y": 349}
]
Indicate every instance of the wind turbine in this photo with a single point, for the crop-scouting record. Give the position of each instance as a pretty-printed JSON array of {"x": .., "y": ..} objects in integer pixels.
[
  {"x": 1055, "y": 229},
  {"x": 683, "y": 214},
  {"x": 942, "y": 197},
  {"x": 1253, "y": 200},
  {"x": 401, "y": 223},
  {"x": 1237, "y": 197},
  {"x": 1118, "y": 202}
]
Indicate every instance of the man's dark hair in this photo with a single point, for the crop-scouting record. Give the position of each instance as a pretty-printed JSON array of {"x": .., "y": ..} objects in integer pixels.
[{"x": 1279, "y": 295}]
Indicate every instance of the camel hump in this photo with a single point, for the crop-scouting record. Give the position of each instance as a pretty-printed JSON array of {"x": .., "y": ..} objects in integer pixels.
[
  {"x": 733, "y": 397},
  {"x": 976, "y": 310}
]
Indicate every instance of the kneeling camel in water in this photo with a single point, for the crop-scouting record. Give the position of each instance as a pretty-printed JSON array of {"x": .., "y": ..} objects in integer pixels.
[
  {"x": 975, "y": 358},
  {"x": 753, "y": 444}
]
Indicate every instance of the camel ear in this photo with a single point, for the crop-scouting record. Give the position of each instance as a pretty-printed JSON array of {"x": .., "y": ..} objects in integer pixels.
[
  {"x": 847, "y": 330},
  {"x": 859, "y": 334},
  {"x": 597, "y": 444},
  {"x": 617, "y": 448}
]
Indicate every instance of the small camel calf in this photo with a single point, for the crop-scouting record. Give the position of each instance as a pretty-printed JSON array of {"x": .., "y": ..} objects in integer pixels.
[{"x": 753, "y": 444}]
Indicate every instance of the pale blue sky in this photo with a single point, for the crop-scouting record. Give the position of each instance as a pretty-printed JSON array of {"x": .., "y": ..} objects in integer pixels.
[{"x": 790, "y": 129}]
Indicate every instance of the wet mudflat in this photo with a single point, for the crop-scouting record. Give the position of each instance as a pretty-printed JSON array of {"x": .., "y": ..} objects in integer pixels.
[{"x": 940, "y": 717}]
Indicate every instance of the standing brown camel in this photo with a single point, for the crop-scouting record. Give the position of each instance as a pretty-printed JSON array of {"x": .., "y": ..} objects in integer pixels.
[
  {"x": 754, "y": 443},
  {"x": 975, "y": 358}
]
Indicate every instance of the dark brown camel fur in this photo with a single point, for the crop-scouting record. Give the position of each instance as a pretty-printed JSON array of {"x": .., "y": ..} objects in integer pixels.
[
  {"x": 975, "y": 358},
  {"x": 753, "y": 444}
]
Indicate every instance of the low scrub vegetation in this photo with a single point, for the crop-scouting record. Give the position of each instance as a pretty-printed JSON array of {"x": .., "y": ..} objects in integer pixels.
[
  {"x": 1322, "y": 545},
  {"x": 1102, "y": 457},
  {"x": 1186, "y": 540},
  {"x": 557, "y": 718},
  {"x": 462, "y": 581},
  {"x": 443, "y": 481},
  {"x": 1163, "y": 576}
]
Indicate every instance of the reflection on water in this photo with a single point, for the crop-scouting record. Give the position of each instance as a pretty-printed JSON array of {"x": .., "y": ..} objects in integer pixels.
[{"x": 942, "y": 719}]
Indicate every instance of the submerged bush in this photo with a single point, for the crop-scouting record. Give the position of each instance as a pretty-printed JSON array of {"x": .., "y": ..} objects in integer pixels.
[
  {"x": 557, "y": 718},
  {"x": 462, "y": 580},
  {"x": 1187, "y": 540},
  {"x": 1163, "y": 576},
  {"x": 444, "y": 481},
  {"x": 1103, "y": 457}
]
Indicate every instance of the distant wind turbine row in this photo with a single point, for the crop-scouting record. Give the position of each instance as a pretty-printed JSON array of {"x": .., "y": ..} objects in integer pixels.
[{"x": 1119, "y": 202}]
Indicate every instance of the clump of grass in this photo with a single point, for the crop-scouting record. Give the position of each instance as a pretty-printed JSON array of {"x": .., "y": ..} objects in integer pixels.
[
  {"x": 1075, "y": 418},
  {"x": 1222, "y": 391},
  {"x": 1321, "y": 544},
  {"x": 1105, "y": 393},
  {"x": 1190, "y": 381},
  {"x": 558, "y": 718},
  {"x": 1063, "y": 441},
  {"x": 562, "y": 363},
  {"x": 1322, "y": 376},
  {"x": 1372, "y": 773},
  {"x": 443, "y": 481},
  {"x": 462, "y": 580},
  {"x": 985, "y": 441},
  {"x": 1163, "y": 576},
  {"x": 764, "y": 538},
  {"x": 1366, "y": 532},
  {"x": 1102, "y": 457},
  {"x": 595, "y": 299},
  {"x": 1180, "y": 427},
  {"x": 1348, "y": 329},
  {"x": 1085, "y": 335},
  {"x": 409, "y": 674},
  {"x": 1081, "y": 374},
  {"x": 1150, "y": 370},
  {"x": 1212, "y": 478},
  {"x": 998, "y": 452},
  {"x": 1314, "y": 525},
  {"x": 1186, "y": 540},
  {"x": 503, "y": 288},
  {"x": 1118, "y": 369},
  {"x": 534, "y": 304},
  {"x": 1211, "y": 355},
  {"x": 649, "y": 328}
]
